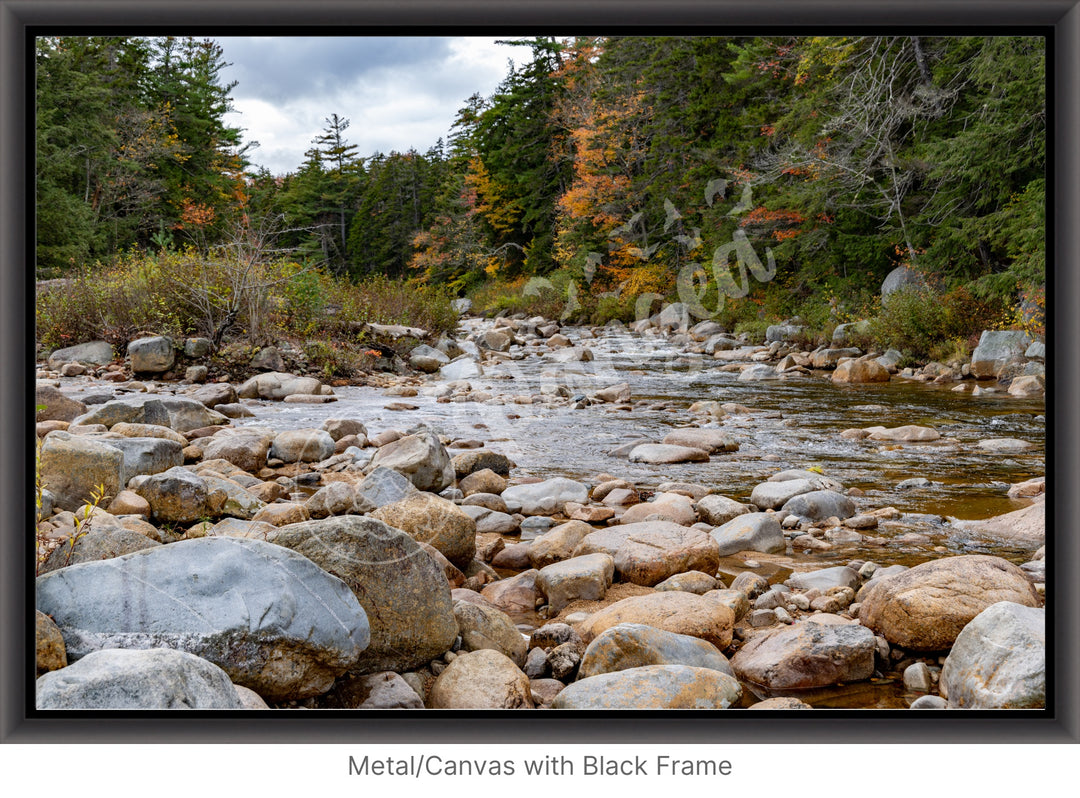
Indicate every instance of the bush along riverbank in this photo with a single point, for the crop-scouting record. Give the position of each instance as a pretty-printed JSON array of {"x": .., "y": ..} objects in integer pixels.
[{"x": 337, "y": 565}]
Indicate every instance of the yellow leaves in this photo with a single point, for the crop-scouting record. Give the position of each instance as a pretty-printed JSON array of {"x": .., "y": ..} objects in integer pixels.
[{"x": 491, "y": 198}]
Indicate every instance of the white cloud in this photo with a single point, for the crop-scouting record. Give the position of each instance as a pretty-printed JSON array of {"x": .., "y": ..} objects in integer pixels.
[{"x": 397, "y": 92}]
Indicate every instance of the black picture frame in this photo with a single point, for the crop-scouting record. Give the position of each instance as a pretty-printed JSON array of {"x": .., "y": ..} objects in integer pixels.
[{"x": 20, "y": 20}]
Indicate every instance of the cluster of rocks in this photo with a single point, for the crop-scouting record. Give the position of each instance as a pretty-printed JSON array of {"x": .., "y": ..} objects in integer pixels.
[
  {"x": 226, "y": 567},
  {"x": 186, "y": 562}
]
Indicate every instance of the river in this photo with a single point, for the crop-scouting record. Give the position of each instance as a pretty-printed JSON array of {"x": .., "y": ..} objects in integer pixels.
[{"x": 792, "y": 424}]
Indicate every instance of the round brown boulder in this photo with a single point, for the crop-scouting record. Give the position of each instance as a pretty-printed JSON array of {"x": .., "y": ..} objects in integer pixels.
[
  {"x": 483, "y": 481},
  {"x": 924, "y": 608},
  {"x": 673, "y": 611},
  {"x": 484, "y": 679},
  {"x": 432, "y": 519}
]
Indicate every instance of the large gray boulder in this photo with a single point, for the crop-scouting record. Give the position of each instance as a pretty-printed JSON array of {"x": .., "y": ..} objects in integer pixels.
[
  {"x": 403, "y": 590},
  {"x": 145, "y": 455},
  {"x": 73, "y": 467},
  {"x": 998, "y": 660},
  {"x": 750, "y": 532},
  {"x": 652, "y": 687},
  {"x": 158, "y": 678},
  {"x": 153, "y": 355},
  {"x": 902, "y": 278},
  {"x": 180, "y": 413},
  {"x": 634, "y": 645},
  {"x": 996, "y": 349},
  {"x": 421, "y": 458},
  {"x": 94, "y": 353},
  {"x": 270, "y": 618}
]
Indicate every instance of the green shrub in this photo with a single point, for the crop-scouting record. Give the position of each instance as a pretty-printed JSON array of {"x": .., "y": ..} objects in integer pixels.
[
  {"x": 920, "y": 322},
  {"x": 755, "y": 328},
  {"x": 379, "y": 300},
  {"x": 339, "y": 359}
]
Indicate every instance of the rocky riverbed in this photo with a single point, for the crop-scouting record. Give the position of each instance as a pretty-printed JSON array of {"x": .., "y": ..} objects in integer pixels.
[{"x": 536, "y": 517}]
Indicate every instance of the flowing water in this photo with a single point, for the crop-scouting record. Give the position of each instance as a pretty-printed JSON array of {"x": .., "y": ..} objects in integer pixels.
[{"x": 793, "y": 424}]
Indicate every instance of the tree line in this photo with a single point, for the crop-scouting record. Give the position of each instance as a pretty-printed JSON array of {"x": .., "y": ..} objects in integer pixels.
[{"x": 613, "y": 161}]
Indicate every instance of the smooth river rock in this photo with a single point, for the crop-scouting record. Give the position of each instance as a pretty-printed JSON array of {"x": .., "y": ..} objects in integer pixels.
[
  {"x": 710, "y": 440},
  {"x": 818, "y": 505},
  {"x": 807, "y": 655},
  {"x": 924, "y": 608},
  {"x": 545, "y": 498},
  {"x": 586, "y": 577},
  {"x": 663, "y": 454},
  {"x": 482, "y": 679},
  {"x": 483, "y": 627},
  {"x": 420, "y": 458},
  {"x": 73, "y": 467},
  {"x": 634, "y": 645},
  {"x": 158, "y": 678},
  {"x": 436, "y": 521},
  {"x": 674, "y": 611},
  {"x": 558, "y": 543},
  {"x": 1025, "y": 527},
  {"x": 649, "y": 552},
  {"x": 772, "y": 495},
  {"x": 998, "y": 660},
  {"x": 271, "y": 618},
  {"x": 750, "y": 532},
  {"x": 672, "y": 507},
  {"x": 652, "y": 687},
  {"x": 402, "y": 590}
]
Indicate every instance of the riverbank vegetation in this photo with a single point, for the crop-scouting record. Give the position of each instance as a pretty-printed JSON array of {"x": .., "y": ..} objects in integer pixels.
[{"x": 605, "y": 175}]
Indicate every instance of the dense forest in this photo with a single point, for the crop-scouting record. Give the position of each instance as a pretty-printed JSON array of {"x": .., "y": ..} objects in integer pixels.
[{"x": 604, "y": 165}]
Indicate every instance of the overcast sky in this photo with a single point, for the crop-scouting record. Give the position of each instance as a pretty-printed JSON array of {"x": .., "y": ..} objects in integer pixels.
[{"x": 396, "y": 92}]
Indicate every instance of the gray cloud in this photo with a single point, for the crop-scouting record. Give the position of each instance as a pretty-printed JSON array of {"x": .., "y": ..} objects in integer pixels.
[{"x": 280, "y": 68}]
